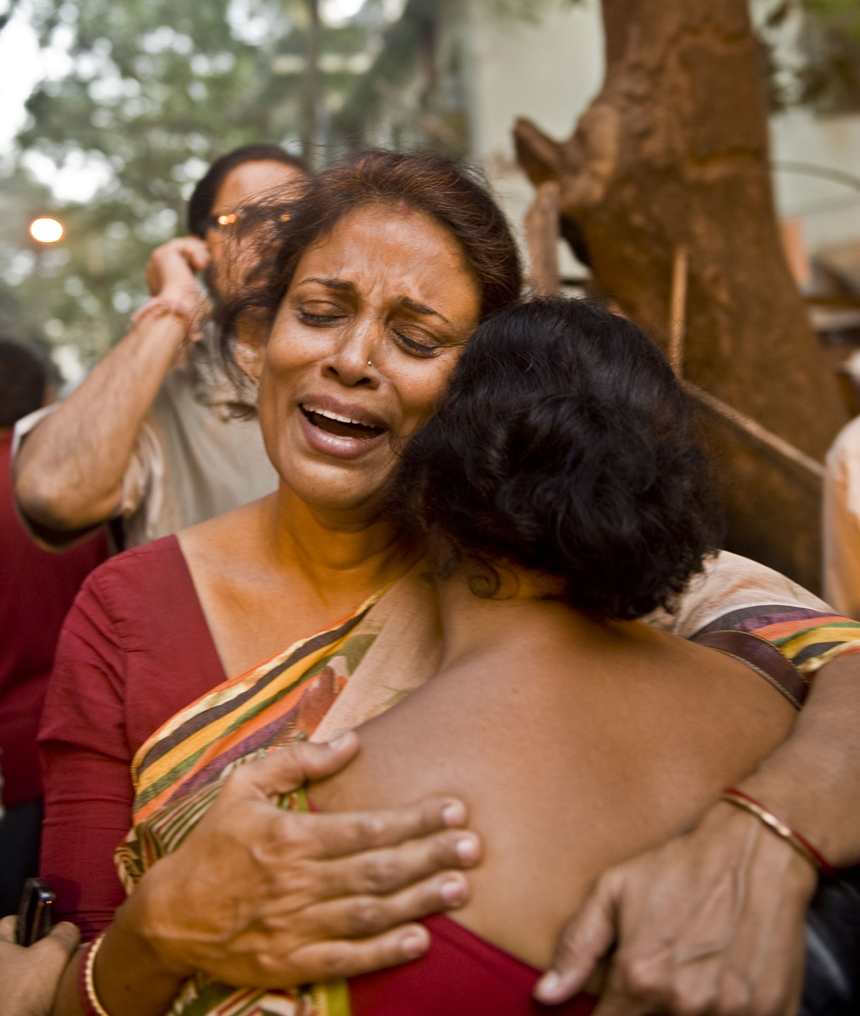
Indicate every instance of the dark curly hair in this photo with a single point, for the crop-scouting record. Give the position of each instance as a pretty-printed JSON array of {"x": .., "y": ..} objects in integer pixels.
[
  {"x": 448, "y": 191},
  {"x": 23, "y": 380},
  {"x": 564, "y": 445}
]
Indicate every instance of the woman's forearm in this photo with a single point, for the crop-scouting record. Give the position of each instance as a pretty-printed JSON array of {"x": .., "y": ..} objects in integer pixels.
[
  {"x": 813, "y": 779},
  {"x": 129, "y": 975},
  {"x": 129, "y": 978}
]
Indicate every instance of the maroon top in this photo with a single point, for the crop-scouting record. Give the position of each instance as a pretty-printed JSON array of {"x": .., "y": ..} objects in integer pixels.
[
  {"x": 134, "y": 650},
  {"x": 36, "y": 590},
  {"x": 460, "y": 975}
]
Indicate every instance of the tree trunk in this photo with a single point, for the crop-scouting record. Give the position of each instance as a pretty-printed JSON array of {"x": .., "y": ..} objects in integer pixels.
[{"x": 672, "y": 156}]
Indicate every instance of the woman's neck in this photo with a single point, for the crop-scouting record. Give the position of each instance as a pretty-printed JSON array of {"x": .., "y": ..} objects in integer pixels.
[
  {"x": 276, "y": 570},
  {"x": 523, "y": 611},
  {"x": 325, "y": 543}
]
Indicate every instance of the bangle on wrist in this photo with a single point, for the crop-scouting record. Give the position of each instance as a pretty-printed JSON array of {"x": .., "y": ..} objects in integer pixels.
[
  {"x": 89, "y": 997},
  {"x": 780, "y": 827},
  {"x": 163, "y": 305}
]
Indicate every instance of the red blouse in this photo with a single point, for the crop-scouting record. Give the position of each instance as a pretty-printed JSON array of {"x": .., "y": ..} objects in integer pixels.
[{"x": 135, "y": 649}]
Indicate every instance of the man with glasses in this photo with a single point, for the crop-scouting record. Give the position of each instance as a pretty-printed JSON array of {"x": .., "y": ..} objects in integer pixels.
[{"x": 158, "y": 437}]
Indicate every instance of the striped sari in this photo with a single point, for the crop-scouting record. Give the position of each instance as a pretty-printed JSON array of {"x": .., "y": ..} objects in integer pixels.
[
  {"x": 322, "y": 685},
  {"x": 344, "y": 675}
]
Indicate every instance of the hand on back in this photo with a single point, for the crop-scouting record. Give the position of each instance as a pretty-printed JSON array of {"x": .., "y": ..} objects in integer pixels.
[
  {"x": 709, "y": 924},
  {"x": 259, "y": 896}
]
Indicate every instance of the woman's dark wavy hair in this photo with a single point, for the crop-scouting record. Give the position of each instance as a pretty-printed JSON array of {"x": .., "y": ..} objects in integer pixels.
[
  {"x": 564, "y": 446},
  {"x": 451, "y": 193}
]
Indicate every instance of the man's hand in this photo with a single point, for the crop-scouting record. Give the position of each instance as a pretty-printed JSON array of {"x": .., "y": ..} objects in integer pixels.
[
  {"x": 265, "y": 897},
  {"x": 172, "y": 267},
  {"x": 711, "y": 923},
  {"x": 29, "y": 977}
]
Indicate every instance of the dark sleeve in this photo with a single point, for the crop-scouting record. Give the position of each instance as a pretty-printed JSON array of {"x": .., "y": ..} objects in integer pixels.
[
  {"x": 85, "y": 765},
  {"x": 804, "y": 637}
]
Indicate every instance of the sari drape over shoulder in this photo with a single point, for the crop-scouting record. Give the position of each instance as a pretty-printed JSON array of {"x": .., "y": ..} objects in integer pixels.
[{"x": 330, "y": 682}]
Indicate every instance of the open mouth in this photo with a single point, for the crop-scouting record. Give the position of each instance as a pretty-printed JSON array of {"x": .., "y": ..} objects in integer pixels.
[{"x": 341, "y": 426}]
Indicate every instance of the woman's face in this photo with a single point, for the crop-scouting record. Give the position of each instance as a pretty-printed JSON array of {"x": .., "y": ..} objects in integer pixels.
[{"x": 361, "y": 349}]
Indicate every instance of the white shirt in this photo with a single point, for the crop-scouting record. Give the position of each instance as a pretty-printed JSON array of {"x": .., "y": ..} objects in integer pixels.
[
  {"x": 193, "y": 458},
  {"x": 841, "y": 522}
]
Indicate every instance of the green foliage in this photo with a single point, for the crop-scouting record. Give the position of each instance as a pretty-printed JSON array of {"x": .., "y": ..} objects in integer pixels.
[
  {"x": 821, "y": 64},
  {"x": 834, "y": 11},
  {"x": 833, "y": 45},
  {"x": 155, "y": 90}
]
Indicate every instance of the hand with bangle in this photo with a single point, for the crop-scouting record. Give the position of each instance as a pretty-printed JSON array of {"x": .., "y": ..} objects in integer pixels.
[
  {"x": 88, "y": 994},
  {"x": 171, "y": 278},
  {"x": 165, "y": 304},
  {"x": 712, "y": 921},
  {"x": 777, "y": 825}
]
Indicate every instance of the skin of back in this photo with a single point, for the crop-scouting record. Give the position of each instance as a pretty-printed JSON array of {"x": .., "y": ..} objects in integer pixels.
[{"x": 576, "y": 743}]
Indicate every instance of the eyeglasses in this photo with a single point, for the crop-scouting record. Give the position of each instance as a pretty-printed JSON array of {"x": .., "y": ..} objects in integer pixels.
[{"x": 227, "y": 221}]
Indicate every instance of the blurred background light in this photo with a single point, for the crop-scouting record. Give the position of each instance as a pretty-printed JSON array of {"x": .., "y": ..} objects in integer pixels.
[{"x": 46, "y": 230}]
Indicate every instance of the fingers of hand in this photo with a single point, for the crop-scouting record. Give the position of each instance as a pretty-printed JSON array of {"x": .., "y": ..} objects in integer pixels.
[
  {"x": 196, "y": 251},
  {"x": 66, "y": 936},
  {"x": 363, "y": 916},
  {"x": 50, "y": 955},
  {"x": 642, "y": 984},
  {"x": 174, "y": 263},
  {"x": 192, "y": 248},
  {"x": 7, "y": 929},
  {"x": 283, "y": 771},
  {"x": 708, "y": 988},
  {"x": 351, "y": 832},
  {"x": 747, "y": 962},
  {"x": 390, "y": 869},
  {"x": 588, "y": 937},
  {"x": 323, "y": 961}
]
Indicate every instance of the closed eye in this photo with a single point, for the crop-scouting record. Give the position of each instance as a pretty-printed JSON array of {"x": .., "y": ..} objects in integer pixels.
[
  {"x": 420, "y": 348},
  {"x": 318, "y": 319}
]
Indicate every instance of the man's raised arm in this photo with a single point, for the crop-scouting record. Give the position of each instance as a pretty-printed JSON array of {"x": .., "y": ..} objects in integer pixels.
[{"x": 70, "y": 469}]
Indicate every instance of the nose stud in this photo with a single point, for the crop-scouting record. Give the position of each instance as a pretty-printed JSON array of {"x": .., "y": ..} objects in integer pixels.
[{"x": 369, "y": 364}]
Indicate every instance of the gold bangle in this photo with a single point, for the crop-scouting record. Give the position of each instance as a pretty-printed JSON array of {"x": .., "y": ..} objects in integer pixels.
[
  {"x": 777, "y": 825},
  {"x": 89, "y": 982}
]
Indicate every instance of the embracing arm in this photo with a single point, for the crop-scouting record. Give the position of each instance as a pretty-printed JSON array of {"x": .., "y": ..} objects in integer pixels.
[
  {"x": 813, "y": 779},
  {"x": 69, "y": 472},
  {"x": 713, "y": 922}
]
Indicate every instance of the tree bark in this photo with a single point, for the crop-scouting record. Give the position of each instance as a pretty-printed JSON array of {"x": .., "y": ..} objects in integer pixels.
[{"x": 673, "y": 154}]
